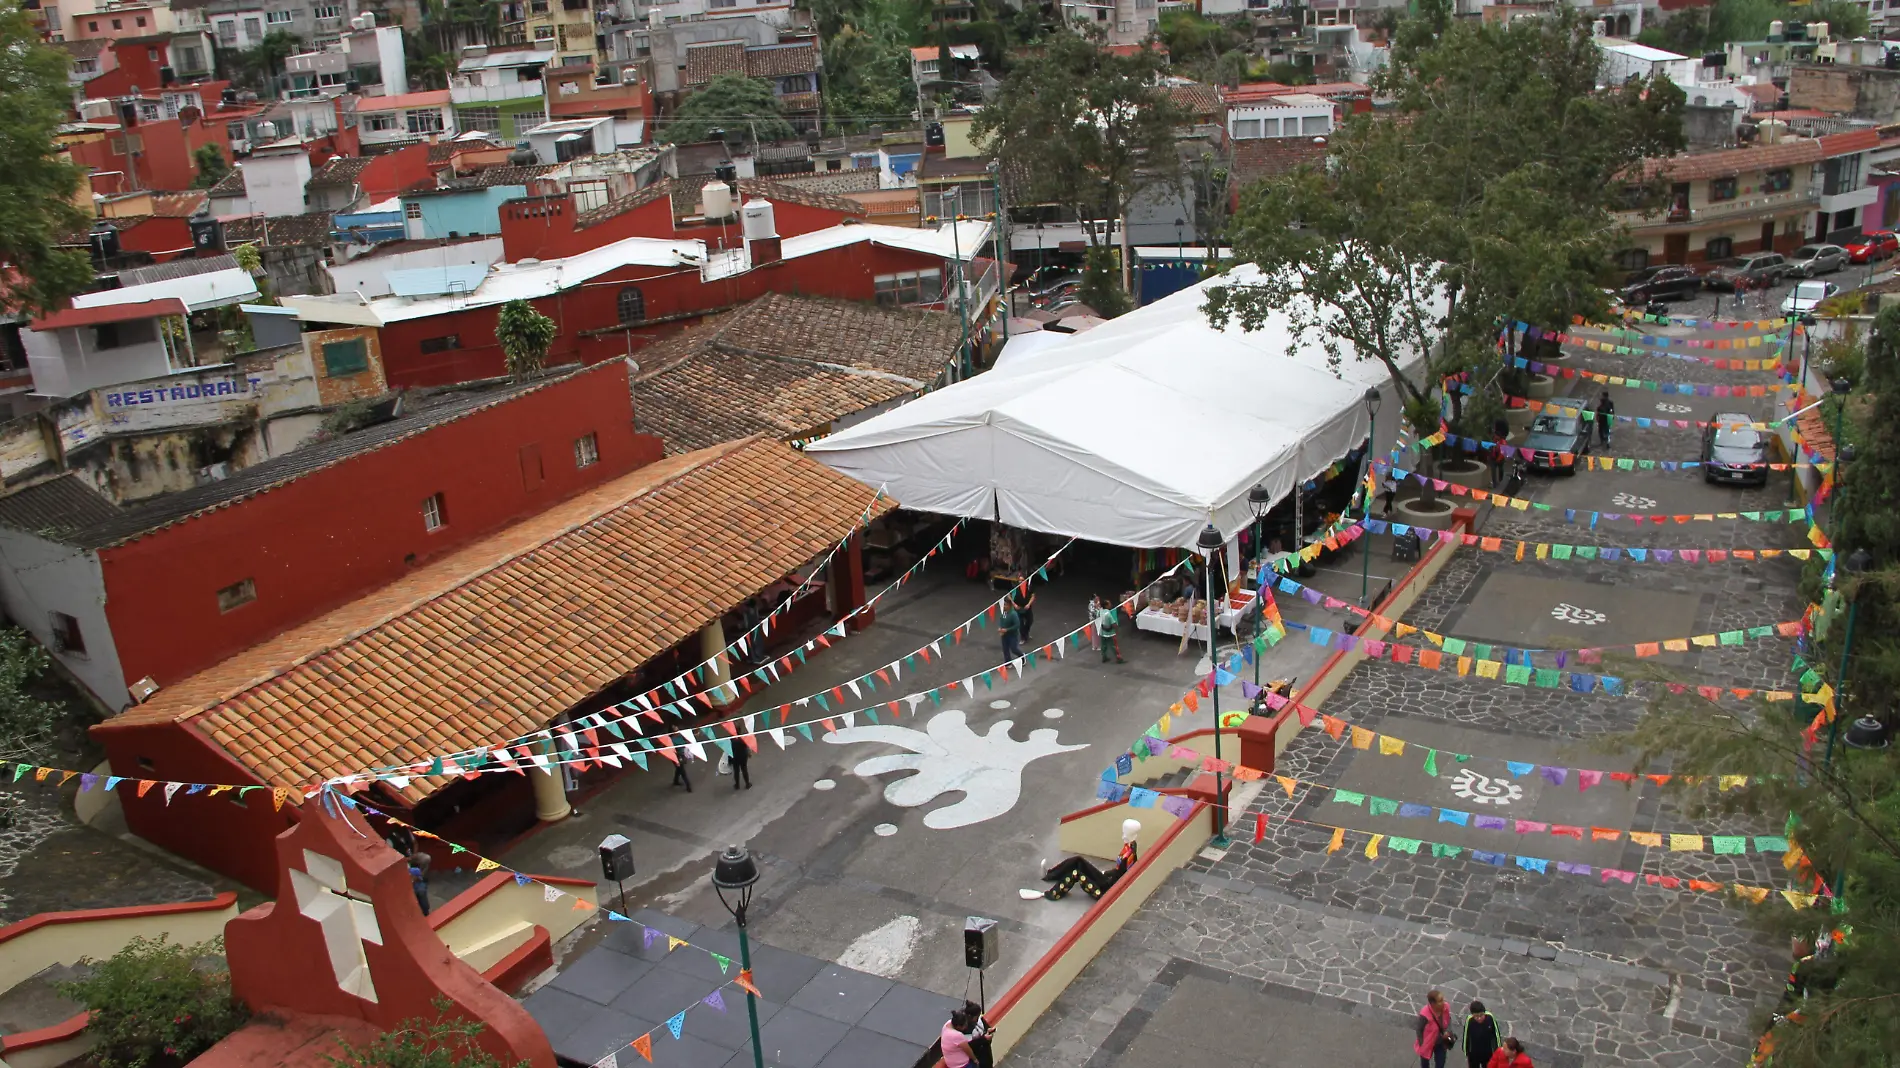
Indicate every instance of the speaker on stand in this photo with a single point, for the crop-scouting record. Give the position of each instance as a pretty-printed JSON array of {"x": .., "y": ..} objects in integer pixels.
[
  {"x": 979, "y": 951},
  {"x": 616, "y": 864}
]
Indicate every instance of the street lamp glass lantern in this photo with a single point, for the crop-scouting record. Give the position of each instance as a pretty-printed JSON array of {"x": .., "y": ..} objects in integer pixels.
[
  {"x": 1841, "y": 385},
  {"x": 1858, "y": 561},
  {"x": 1848, "y": 454},
  {"x": 1210, "y": 539},
  {"x": 1259, "y": 500},
  {"x": 1373, "y": 399},
  {"x": 735, "y": 873}
]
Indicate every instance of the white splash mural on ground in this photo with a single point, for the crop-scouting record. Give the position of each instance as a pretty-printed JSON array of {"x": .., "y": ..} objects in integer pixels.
[{"x": 947, "y": 757}]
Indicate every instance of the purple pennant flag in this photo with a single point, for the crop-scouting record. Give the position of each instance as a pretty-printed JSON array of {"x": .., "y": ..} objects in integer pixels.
[
  {"x": 1662, "y": 556},
  {"x": 715, "y": 1001},
  {"x": 1346, "y": 643},
  {"x": 1562, "y": 659},
  {"x": 1489, "y": 823},
  {"x": 1555, "y": 776},
  {"x": 1573, "y": 869},
  {"x": 1249, "y": 690},
  {"x": 652, "y": 935},
  {"x": 1155, "y": 745},
  {"x": 1178, "y": 807},
  {"x": 1311, "y": 595},
  {"x": 87, "y": 780}
]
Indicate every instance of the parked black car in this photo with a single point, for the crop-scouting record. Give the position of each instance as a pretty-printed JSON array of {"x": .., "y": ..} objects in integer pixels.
[
  {"x": 1673, "y": 282},
  {"x": 1757, "y": 270},
  {"x": 1735, "y": 455},
  {"x": 1557, "y": 440}
]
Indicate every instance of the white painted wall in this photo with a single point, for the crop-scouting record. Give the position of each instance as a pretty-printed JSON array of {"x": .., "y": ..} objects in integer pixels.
[
  {"x": 39, "y": 577},
  {"x": 274, "y": 182},
  {"x": 65, "y": 362},
  {"x": 369, "y": 275}
]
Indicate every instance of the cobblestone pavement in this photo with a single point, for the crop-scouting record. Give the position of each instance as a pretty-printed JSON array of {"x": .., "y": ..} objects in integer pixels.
[
  {"x": 1587, "y": 973},
  {"x": 50, "y": 862}
]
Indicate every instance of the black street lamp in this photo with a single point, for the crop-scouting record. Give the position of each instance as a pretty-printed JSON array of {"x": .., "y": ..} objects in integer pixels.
[
  {"x": 1372, "y": 400},
  {"x": 1856, "y": 563},
  {"x": 1209, "y": 543},
  {"x": 1260, "y": 502},
  {"x": 736, "y": 873}
]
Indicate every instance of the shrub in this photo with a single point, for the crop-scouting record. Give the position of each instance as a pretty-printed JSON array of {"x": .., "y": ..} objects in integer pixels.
[
  {"x": 153, "y": 1004},
  {"x": 419, "y": 1043}
]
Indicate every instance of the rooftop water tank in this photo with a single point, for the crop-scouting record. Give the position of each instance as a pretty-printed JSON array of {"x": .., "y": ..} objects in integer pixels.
[
  {"x": 758, "y": 221},
  {"x": 715, "y": 200}
]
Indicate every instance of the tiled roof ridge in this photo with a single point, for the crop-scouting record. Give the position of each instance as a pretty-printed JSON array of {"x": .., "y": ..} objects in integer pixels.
[
  {"x": 717, "y": 454},
  {"x": 717, "y": 341},
  {"x": 615, "y": 208},
  {"x": 346, "y": 457}
]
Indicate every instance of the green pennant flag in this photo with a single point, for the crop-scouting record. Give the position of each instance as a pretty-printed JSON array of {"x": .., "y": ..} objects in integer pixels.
[
  {"x": 935, "y": 699},
  {"x": 453, "y": 848},
  {"x": 670, "y": 691},
  {"x": 822, "y": 703},
  {"x": 1481, "y": 651},
  {"x": 1382, "y": 806},
  {"x": 708, "y": 734},
  {"x": 1275, "y": 633},
  {"x": 19, "y": 770},
  {"x": 435, "y": 767},
  {"x": 1760, "y": 632},
  {"x": 1729, "y": 843},
  {"x": 1810, "y": 679},
  {"x": 1403, "y": 845},
  {"x": 986, "y": 680},
  {"x": 613, "y": 727},
  {"x": 804, "y": 729},
  {"x": 640, "y": 759},
  {"x": 1042, "y": 573},
  {"x": 1461, "y": 757},
  {"x": 725, "y": 962},
  {"x": 1757, "y": 515},
  {"x": 1540, "y": 507},
  {"x": 911, "y": 661},
  {"x": 1517, "y": 674},
  {"x": 1454, "y": 646},
  {"x": 1561, "y": 552},
  {"x": 1431, "y": 763},
  {"x": 1586, "y": 552},
  {"x": 1770, "y": 844},
  {"x": 1625, "y": 464},
  {"x": 1349, "y": 797},
  {"x": 725, "y": 746},
  {"x": 1647, "y": 465},
  {"x": 1548, "y": 678},
  {"x": 1730, "y": 637},
  {"x": 1440, "y": 849},
  {"x": 799, "y": 653},
  {"x": 872, "y": 713}
]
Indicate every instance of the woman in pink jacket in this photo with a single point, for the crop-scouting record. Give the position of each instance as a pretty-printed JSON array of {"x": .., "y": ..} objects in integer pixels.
[{"x": 1431, "y": 1031}]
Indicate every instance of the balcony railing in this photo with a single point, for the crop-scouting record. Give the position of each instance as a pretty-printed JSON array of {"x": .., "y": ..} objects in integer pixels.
[{"x": 1726, "y": 209}]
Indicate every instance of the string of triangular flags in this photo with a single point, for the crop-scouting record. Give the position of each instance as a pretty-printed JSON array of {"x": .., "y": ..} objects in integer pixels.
[
  {"x": 1684, "y": 389},
  {"x": 1539, "y": 550},
  {"x": 1721, "y": 363},
  {"x": 1593, "y": 653},
  {"x": 1589, "y": 517},
  {"x": 1376, "y": 844},
  {"x": 1593, "y": 462},
  {"x": 1775, "y": 332},
  {"x": 568, "y": 737},
  {"x": 675, "y": 1024},
  {"x": 14, "y": 771},
  {"x": 585, "y": 747},
  {"x": 1776, "y": 323},
  {"x": 1576, "y": 409}
]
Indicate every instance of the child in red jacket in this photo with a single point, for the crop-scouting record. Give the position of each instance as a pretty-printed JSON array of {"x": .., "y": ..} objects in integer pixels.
[{"x": 1510, "y": 1055}]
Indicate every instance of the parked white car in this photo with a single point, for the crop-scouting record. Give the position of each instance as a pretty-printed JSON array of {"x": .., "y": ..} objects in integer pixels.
[{"x": 1806, "y": 295}]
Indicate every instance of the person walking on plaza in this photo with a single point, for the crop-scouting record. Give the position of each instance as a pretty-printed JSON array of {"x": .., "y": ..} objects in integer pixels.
[
  {"x": 419, "y": 879},
  {"x": 1095, "y": 609},
  {"x": 1483, "y": 1036},
  {"x": 680, "y": 778},
  {"x": 1606, "y": 415},
  {"x": 1011, "y": 623},
  {"x": 741, "y": 761},
  {"x": 1107, "y": 620},
  {"x": 1025, "y": 601},
  {"x": 1511, "y": 1055},
  {"x": 1431, "y": 1031}
]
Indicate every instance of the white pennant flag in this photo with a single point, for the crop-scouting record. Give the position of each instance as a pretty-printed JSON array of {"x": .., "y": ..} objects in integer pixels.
[
  {"x": 937, "y": 649},
  {"x": 897, "y": 669},
  {"x": 969, "y": 686},
  {"x": 914, "y": 699},
  {"x": 608, "y": 759},
  {"x": 621, "y": 748},
  {"x": 611, "y": 1060},
  {"x": 538, "y": 760},
  {"x": 778, "y": 735},
  {"x": 634, "y": 722},
  {"x": 400, "y": 782},
  {"x": 549, "y": 894},
  {"x": 855, "y": 692},
  {"x": 836, "y": 631},
  {"x": 1062, "y": 650},
  {"x": 1016, "y": 665},
  {"x": 850, "y": 719},
  {"x": 742, "y": 645},
  {"x": 698, "y": 751},
  {"x": 170, "y": 789},
  {"x": 802, "y": 702},
  {"x": 644, "y": 701},
  {"x": 751, "y": 723}
]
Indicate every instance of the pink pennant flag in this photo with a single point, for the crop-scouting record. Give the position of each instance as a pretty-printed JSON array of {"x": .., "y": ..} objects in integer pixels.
[
  {"x": 1531, "y": 827},
  {"x": 1587, "y": 779},
  {"x": 1624, "y": 877}
]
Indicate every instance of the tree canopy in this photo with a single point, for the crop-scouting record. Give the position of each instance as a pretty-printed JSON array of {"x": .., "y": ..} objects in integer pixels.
[
  {"x": 1487, "y": 192},
  {"x": 1085, "y": 128},
  {"x": 742, "y": 107},
  {"x": 525, "y": 335},
  {"x": 1699, "y": 29},
  {"x": 41, "y": 183}
]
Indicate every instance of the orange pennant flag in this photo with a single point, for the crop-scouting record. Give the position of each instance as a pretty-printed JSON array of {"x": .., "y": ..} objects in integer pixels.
[
  {"x": 745, "y": 982},
  {"x": 582, "y": 904},
  {"x": 1285, "y": 784},
  {"x": 1334, "y": 726},
  {"x": 644, "y": 1047},
  {"x": 1339, "y": 839},
  {"x": 145, "y": 785}
]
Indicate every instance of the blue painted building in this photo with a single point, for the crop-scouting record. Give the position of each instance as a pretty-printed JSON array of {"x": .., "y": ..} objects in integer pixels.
[{"x": 456, "y": 212}]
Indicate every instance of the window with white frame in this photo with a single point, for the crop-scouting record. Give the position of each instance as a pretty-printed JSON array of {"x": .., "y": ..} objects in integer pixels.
[
  {"x": 277, "y": 18},
  {"x": 227, "y": 32},
  {"x": 85, "y": 66},
  {"x": 434, "y": 515},
  {"x": 528, "y": 120},
  {"x": 1247, "y": 129},
  {"x": 379, "y": 122},
  {"x": 910, "y": 287},
  {"x": 412, "y": 210},
  {"x": 487, "y": 120},
  {"x": 1313, "y": 125},
  {"x": 428, "y": 120},
  {"x": 327, "y": 11}
]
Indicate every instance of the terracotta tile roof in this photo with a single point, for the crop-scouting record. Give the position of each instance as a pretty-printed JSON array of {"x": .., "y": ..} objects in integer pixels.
[
  {"x": 776, "y": 61},
  {"x": 787, "y": 366},
  {"x": 311, "y": 229},
  {"x": 495, "y": 640},
  {"x": 685, "y": 199},
  {"x": 178, "y": 205},
  {"x": 836, "y": 182},
  {"x": 86, "y": 49},
  {"x": 1840, "y": 144},
  {"x": 231, "y": 185},
  {"x": 1735, "y": 161},
  {"x": 341, "y": 172},
  {"x": 706, "y": 62},
  {"x": 441, "y": 151},
  {"x": 593, "y": 216},
  {"x": 504, "y": 175},
  {"x": 1265, "y": 157},
  {"x": 1196, "y": 99}
]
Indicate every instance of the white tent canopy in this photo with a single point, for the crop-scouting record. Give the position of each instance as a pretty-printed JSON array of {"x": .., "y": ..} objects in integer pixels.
[{"x": 1138, "y": 433}]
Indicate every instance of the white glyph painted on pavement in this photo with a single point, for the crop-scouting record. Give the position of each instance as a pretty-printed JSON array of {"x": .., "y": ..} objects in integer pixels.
[
  {"x": 1485, "y": 790},
  {"x": 886, "y": 950},
  {"x": 1583, "y": 617},
  {"x": 1635, "y": 502},
  {"x": 885, "y": 830},
  {"x": 949, "y": 757},
  {"x": 1673, "y": 409},
  {"x": 824, "y": 784},
  {"x": 999, "y": 704},
  {"x": 1052, "y": 713}
]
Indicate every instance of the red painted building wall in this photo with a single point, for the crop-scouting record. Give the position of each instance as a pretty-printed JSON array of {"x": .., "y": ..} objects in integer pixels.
[
  {"x": 331, "y": 536},
  {"x": 163, "y": 236},
  {"x": 588, "y": 316},
  {"x": 165, "y": 155},
  {"x": 543, "y": 227},
  {"x": 396, "y": 172}
]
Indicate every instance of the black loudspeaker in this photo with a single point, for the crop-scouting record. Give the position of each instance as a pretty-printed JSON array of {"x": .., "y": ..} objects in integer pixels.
[
  {"x": 616, "y": 857},
  {"x": 1407, "y": 547},
  {"x": 979, "y": 942}
]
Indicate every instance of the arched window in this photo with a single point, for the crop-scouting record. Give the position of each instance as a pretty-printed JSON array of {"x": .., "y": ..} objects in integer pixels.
[{"x": 632, "y": 305}]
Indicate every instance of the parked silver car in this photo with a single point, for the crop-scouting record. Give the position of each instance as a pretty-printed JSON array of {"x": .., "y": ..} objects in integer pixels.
[{"x": 1810, "y": 260}]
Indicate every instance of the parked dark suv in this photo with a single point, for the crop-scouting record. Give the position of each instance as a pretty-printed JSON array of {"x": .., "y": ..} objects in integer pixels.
[
  {"x": 1735, "y": 455},
  {"x": 1673, "y": 282},
  {"x": 1757, "y": 270}
]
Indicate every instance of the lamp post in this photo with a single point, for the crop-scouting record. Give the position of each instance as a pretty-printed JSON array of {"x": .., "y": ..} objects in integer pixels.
[
  {"x": 1807, "y": 345},
  {"x": 1841, "y": 387},
  {"x": 1855, "y": 563},
  {"x": 1209, "y": 543},
  {"x": 1372, "y": 400},
  {"x": 736, "y": 873},
  {"x": 1259, "y": 502},
  {"x": 1180, "y": 255}
]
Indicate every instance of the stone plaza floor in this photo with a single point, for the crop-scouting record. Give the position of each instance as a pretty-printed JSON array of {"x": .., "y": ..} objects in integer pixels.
[{"x": 1311, "y": 958}]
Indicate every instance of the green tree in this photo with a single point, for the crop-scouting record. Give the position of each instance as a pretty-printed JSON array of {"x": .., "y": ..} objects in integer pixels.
[
  {"x": 525, "y": 335},
  {"x": 156, "y": 1003},
  {"x": 742, "y": 107},
  {"x": 867, "y": 80},
  {"x": 41, "y": 183},
  {"x": 211, "y": 164},
  {"x": 1487, "y": 192},
  {"x": 22, "y": 715},
  {"x": 420, "y": 1043},
  {"x": 259, "y": 66},
  {"x": 1090, "y": 129}
]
